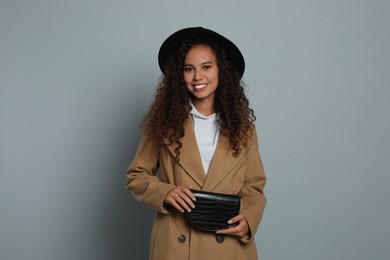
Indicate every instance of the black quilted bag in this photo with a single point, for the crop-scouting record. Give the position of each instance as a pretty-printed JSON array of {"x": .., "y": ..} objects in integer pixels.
[{"x": 213, "y": 210}]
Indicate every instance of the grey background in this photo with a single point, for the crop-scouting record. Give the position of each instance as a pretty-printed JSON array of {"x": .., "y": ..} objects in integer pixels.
[{"x": 77, "y": 76}]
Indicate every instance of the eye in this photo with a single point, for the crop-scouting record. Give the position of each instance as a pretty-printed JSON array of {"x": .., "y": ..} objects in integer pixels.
[
  {"x": 206, "y": 67},
  {"x": 187, "y": 69}
]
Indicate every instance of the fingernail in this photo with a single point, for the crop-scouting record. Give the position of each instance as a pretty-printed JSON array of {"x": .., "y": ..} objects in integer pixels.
[
  {"x": 229, "y": 222},
  {"x": 189, "y": 210}
]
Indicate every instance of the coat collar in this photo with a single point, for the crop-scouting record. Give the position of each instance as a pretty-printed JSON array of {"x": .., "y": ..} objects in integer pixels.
[{"x": 190, "y": 159}]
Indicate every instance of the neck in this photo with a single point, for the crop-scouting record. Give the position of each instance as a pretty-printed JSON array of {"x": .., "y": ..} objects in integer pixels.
[{"x": 204, "y": 107}]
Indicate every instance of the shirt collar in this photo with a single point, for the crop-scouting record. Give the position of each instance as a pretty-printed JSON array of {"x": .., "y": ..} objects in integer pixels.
[{"x": 197, "y": 114}]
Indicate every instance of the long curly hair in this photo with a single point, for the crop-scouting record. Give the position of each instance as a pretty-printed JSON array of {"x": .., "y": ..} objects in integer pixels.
[{"x": 164, "y": 122}]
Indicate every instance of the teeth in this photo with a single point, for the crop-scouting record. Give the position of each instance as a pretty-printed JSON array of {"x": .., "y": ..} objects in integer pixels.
[{"x": 199, "y": 86}]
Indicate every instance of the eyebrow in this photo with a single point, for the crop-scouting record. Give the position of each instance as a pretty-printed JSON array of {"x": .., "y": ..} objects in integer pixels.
[{"x": 203, "y": 63}]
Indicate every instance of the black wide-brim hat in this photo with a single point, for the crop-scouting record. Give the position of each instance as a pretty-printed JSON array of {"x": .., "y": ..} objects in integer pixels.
[{"x": 173, "y": 43}]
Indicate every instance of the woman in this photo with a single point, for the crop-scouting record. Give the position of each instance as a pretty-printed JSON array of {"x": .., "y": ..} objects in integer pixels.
[{"x": 199, "y": 132}]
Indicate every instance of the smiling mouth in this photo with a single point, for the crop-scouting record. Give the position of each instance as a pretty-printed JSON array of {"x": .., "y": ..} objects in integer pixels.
[{"x": 200, "y": 86}]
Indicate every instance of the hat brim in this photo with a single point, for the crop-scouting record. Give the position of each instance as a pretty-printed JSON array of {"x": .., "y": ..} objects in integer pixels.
[{"x": 173, "y": 43}]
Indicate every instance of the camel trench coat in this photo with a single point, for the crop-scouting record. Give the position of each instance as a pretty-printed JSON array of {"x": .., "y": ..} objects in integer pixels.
[{"x": 172, "y": 237}]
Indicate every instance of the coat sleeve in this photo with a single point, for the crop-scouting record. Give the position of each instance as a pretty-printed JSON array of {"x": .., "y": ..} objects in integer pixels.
[
  {"x": 141, "y": 179},
  {"x": 252, "y": 196}
]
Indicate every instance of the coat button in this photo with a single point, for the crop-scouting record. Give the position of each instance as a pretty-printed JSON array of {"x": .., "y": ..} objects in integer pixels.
[
  {"x": 220, "y": 239},
  {"x": 181, "y": 238}
]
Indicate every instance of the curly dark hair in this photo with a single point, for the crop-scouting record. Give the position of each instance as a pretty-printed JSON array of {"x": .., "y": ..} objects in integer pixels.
[{"x": 167, "y": 114}]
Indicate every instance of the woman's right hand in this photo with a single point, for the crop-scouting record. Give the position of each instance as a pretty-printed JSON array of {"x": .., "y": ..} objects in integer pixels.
[{"x": 181, "y": 198}]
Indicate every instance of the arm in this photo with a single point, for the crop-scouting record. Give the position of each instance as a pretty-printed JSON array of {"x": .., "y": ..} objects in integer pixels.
[
  {"x": 253, "y": 200},
  {"x": 141, "y": 180},
  {"x": 252, "y": 197}
]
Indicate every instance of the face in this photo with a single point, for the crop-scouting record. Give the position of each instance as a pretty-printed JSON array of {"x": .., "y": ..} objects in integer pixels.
[{"x": 201, "y": 74}]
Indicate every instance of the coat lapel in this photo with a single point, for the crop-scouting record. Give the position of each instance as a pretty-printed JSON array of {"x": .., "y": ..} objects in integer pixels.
[
  {"x": 223, "y": 161},
  {"x": 190, "y": 159}
]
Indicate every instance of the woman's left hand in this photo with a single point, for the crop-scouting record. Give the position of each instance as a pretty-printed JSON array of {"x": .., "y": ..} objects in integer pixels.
[{"x": 239, "y": 230}]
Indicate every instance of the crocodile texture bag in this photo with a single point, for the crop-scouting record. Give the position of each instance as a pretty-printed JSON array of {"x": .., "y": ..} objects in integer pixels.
[{"x": 213, "y": 210}]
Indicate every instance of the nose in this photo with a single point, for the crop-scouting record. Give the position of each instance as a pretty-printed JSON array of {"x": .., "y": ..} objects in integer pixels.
[{"x": 198, "y": 75}]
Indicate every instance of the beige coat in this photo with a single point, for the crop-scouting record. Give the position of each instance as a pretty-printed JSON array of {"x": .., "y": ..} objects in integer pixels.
[{"x": 172, "y": 237}]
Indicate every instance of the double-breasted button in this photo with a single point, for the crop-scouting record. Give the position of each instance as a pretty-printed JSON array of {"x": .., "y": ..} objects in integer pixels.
[
  {"x": 181, "y": 238},
  {"x": 220, "y": 239}
]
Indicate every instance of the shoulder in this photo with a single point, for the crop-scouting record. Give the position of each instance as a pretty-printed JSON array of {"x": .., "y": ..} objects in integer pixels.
[
  {"x": 252, "y": 144},
  {"x": 252, "y": 137}
]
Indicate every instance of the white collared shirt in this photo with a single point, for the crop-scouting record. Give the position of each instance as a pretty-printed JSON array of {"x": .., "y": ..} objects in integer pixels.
[{"x": 206, "y": 130}]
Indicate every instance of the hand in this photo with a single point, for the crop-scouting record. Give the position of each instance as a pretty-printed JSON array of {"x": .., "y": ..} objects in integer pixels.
[
  {"x": 240, "y": 230},
  {"x": 180, "y": 198}
]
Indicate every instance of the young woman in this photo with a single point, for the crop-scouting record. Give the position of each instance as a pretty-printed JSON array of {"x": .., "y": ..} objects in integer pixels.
[{"x": 199, "y": 132}]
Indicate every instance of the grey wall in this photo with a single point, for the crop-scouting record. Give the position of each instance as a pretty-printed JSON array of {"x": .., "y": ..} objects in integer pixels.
[{"x": 77, "y": 76}]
